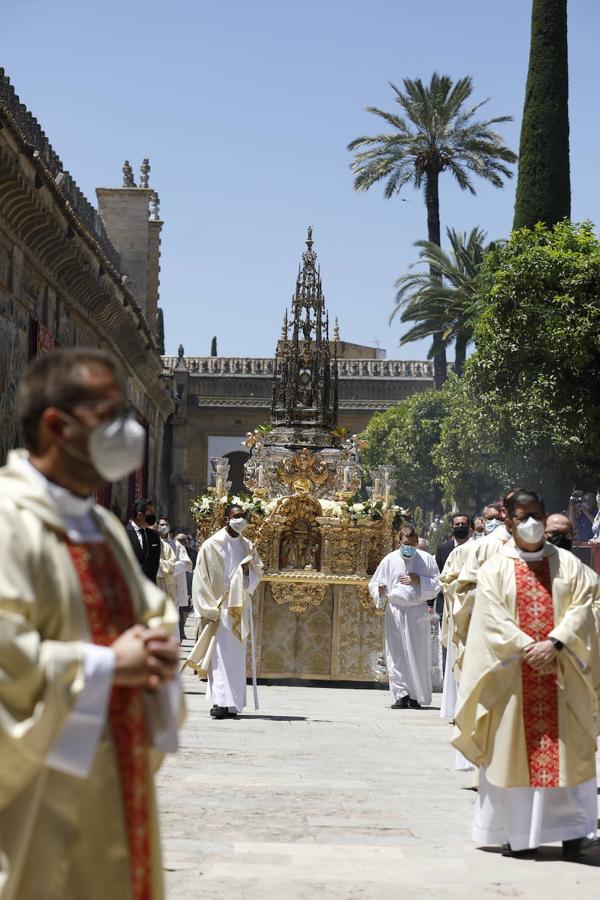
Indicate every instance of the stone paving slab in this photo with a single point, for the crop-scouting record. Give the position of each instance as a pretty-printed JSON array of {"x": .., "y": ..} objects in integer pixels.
[{"x": 328, "y": 793}]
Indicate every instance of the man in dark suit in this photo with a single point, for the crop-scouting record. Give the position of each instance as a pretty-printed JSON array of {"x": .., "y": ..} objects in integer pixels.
[
  {"x": 461, "y": 532},
  {"x": 144, "y": 540}
]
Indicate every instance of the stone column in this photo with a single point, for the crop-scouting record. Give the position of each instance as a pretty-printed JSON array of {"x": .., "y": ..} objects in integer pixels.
[
  {"x": 124, "y": 211},
  {"x": 154, "y": 229},
  {"x": 179, "y": 493}
]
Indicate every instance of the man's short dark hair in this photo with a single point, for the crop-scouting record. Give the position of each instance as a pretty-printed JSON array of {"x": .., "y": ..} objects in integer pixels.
[
  {"x": 141, "y": 505},
  {"x": 55, "y": 379},
  {"x": 459, "y": 515},
  {"x": 408, "y": 531},
  {"x": 231, "y": 506},
  {"x": 522, "y": 497}
]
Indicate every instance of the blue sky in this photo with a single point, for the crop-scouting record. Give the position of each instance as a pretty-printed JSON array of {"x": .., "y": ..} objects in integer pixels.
[{"x": 245, "y": 108}]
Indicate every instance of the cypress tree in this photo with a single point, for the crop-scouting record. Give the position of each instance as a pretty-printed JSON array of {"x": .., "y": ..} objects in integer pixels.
[
  {"x": 544, "y": 185},
  {"x": 160, "y": 331},
  {"x": 213, "y": 347}
]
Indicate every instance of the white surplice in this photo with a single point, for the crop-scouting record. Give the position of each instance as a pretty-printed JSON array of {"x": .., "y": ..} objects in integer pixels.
[
  {"x": 227, "y": 671},
  {"x": 526, "y": 817},
  {"x": 407, "y": 622}
]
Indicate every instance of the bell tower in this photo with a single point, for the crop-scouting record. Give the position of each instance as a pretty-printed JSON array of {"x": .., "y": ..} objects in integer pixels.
[{"x": 305, "y": 394}]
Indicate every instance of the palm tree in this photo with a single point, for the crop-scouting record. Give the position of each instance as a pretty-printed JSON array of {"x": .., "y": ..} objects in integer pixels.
[
  {"x": 442, "y": 301},
  {"x": 435, "y": 132}
]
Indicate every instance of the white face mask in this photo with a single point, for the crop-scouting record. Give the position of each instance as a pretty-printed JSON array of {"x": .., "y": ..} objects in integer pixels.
[
  {"x": 163, "y": 529},
  {"x": 115, "y": 448},
  {"x": 491, "y": 525},
  {"x": 531, "y": 531},
  {"x": 238, "y": 525}
]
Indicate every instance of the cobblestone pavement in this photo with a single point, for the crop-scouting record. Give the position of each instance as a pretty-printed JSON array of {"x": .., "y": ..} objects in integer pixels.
[{"x": 329, "y": 793}]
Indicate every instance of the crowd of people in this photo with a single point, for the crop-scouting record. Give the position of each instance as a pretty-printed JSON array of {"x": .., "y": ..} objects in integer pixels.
[
  {"x": 166, "y": 558},
  {"x": 91, "y": 613}
]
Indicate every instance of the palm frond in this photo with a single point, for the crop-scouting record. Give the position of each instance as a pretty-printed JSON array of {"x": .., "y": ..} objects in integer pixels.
[
  {"x": 437, "y": 128},
  {"x": 439, "y": 293}
]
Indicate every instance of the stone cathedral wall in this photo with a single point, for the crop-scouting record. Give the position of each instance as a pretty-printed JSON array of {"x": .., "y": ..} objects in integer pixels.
[{"x": 62, "y": 284}]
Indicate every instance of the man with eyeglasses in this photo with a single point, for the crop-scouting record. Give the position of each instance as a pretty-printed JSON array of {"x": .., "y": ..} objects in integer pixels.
[
  {"x": 526, "y": 711},
  {"x": 87, "y": 662}
]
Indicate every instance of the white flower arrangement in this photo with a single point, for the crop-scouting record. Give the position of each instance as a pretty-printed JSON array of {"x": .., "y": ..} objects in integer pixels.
[
  {"x": 203, "y": 506},
  {"x": 331, "y": 508}
]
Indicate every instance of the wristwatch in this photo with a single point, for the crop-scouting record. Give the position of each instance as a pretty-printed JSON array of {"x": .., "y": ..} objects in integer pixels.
[{"x": 558, "y": 645}]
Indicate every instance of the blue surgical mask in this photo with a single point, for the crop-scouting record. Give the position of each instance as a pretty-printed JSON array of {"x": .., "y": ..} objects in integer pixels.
[
  {"x": 407, "y": 550},
  {"x": 491, "y": 525}
]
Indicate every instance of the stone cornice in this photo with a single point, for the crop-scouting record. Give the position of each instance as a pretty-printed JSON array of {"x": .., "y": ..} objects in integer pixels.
[
  {"x": 81, "y": 215},
  {"x": 265, "y": 403},
  {"x": 252, "y": 367},
  {"x": 49, "y": 230}
]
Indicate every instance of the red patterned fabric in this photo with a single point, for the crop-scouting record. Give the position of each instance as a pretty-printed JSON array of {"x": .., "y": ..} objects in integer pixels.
[
  {"x": 110, "y": 613},
  {"x": 540, "y": 693}
]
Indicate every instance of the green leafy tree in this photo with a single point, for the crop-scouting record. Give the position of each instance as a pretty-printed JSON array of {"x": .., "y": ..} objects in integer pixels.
[
  {"x": 444, "y": 303},
  {"x": 544, "y": 185},
  {"x": 436, "y": 131},
  {"x": 406, "y": 436},
  {"x": 530, "y": 395}
]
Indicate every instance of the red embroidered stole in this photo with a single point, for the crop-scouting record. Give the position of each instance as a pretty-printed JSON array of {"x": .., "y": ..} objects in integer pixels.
[
  {"x": 540, "y": 693},
  {"x": 110, "y": 612}
]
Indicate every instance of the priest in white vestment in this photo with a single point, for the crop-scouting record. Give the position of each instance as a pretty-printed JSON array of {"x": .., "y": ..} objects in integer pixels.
[
  {"x": 448, "y": 579},
  {"x": 173, "y": 567},
  {"x": 227, "y": 573},
  {"x": 87, "y": 698},
  {"x": 465, "y": 584},
  {"x": 404, "y": 582},
  {"x": 527, "y": 705}
]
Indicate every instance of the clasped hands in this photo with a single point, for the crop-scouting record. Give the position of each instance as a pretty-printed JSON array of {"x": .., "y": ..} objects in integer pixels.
[
  {"x": 145, "y": 657},
  {"x": 414, "y": 580},
  {"x": 541, "y": 657}
]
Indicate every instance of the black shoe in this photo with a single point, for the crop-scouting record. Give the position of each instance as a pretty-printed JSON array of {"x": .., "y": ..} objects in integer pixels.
[
  {"x": 518, "y": 854},
  {"x": 220, "y": 712},
  {"x": 402, "y": 703},
  {"x": 576, "y": 847},
  {"x": 414, "y": 704}
]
